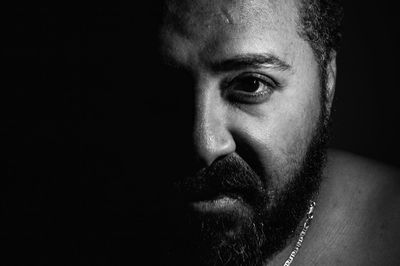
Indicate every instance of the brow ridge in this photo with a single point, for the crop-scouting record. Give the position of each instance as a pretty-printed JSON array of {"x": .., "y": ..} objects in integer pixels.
[{"x": 242, "y": 61}]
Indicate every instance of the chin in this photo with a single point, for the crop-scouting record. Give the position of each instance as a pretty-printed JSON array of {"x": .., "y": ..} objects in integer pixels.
[{"x": 241, "y": 222}]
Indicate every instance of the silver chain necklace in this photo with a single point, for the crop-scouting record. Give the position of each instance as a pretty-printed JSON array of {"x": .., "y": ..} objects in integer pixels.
[{"x": 303, "y": 232}]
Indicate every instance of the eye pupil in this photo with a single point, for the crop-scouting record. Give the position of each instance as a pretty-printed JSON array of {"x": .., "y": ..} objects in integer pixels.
[{"x": 250, "y": 85}]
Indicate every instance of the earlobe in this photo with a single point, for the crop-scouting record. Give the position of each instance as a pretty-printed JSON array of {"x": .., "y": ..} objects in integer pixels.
[{"x": 331, "y": 73}]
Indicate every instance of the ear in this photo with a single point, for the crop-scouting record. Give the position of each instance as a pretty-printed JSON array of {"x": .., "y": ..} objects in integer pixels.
[{"x": 331, "y": 73}]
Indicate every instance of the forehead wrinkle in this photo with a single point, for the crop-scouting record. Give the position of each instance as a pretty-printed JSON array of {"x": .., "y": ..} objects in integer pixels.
[
  {"x": 226, "y": 14},
  {"x": 197, "y": 17},
  {"x": 193, "y": 17},
  {"x": 204, "y": 24}
]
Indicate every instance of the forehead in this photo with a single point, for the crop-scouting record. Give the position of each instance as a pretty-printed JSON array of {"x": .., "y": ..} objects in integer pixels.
[
  {"x": 192, "y": 17},
  {"x": 214, "y": 25}
]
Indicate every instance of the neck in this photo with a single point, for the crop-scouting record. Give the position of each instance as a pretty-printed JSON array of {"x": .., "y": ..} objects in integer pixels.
[
  {"x": 288, "y": 254},
  {"x": 328, "y": 221}
]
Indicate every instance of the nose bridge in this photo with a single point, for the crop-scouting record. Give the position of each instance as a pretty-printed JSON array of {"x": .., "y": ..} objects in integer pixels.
[{"x": 212, "y": 138}]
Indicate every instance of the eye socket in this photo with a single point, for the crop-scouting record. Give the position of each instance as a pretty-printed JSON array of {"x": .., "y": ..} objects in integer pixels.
[{"x": 250, "y": 88}]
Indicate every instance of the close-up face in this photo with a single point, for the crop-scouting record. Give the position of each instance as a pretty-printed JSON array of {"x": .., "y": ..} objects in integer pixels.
[
  {"x": 256, "y": 82},
  {"x": 255, "y": 101}
]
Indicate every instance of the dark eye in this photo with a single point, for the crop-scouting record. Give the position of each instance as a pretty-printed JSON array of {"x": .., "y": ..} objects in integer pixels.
[
  {"x": 250, "y": 85},
  {"x": 250, "y": 88}
]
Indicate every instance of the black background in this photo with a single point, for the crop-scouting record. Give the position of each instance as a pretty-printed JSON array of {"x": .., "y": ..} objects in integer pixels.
[
  {"x": 366, "y": 106},
  {"x": 78, "y": 130}
]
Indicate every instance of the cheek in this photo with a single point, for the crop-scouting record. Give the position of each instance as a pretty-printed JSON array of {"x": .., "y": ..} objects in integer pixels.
[
  {"x": 291, "y": 122},
  {"x": 280, "y": 137},
  {"x": 292, "y": 127}
]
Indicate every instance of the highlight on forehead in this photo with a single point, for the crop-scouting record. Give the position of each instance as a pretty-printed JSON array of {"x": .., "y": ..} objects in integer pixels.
[
  {"x": 192, "y": 16},
  {"x": 185, "y": 15}
]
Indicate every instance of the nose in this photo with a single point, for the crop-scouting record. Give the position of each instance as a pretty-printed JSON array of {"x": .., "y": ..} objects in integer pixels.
[{"x": 212, "y": 137}]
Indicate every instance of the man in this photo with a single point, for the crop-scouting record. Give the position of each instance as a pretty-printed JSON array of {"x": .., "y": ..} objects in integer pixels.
[
  {"x": 230, "y": 128},
  {"x": 253, "y": 82}
]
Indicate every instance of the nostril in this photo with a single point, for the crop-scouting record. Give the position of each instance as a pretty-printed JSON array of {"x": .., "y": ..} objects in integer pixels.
[
  {"x": 213, "y": 143},
  {"x": 211, "y": 135}
]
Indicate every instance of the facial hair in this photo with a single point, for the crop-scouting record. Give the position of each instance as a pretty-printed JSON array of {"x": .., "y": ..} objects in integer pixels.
[{"x": 261, "y": 226}]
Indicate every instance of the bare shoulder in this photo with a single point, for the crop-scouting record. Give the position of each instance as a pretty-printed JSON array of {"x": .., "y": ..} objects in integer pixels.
[
  {"x": 363, "y": 202},
  {"x": 364, "y": 177},
  {"x": 365, "y": 181},
  {"x": 364, "y": 169}
]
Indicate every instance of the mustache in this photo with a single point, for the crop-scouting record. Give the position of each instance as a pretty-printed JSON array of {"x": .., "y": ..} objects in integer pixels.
[{"x": 230, "y": 176}]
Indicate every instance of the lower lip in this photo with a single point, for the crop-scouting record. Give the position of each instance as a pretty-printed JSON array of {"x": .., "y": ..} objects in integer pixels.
[{"x": 223, "y": 203}]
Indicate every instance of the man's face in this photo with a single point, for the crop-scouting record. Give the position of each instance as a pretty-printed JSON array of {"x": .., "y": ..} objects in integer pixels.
[{"x": 256, "y": 113}]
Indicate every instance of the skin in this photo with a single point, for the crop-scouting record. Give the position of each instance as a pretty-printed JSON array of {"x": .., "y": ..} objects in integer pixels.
[
  {"x": 278, "y": 129},
  {"x": 358, "y": 198},
  {"x": 357, "y": 217}
]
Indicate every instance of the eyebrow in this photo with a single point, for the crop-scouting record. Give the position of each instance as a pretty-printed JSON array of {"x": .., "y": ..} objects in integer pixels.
[{"x": 250, "y": 61}]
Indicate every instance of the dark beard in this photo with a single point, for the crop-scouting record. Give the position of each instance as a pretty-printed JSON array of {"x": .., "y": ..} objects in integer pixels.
[{"x": 251, "y": 234}]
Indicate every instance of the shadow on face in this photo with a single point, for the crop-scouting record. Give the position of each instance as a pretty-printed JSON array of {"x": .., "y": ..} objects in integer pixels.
[
  {"x": 236, "y": 80},
  {"x": 127, "y": 106}
]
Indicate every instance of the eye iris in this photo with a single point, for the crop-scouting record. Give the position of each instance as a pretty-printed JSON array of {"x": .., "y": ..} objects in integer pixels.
[{"x": 250, "y": 85}]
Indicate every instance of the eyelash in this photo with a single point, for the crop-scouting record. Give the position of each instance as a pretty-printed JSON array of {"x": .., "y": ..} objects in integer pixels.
[{"x": 249, "y": 97}]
